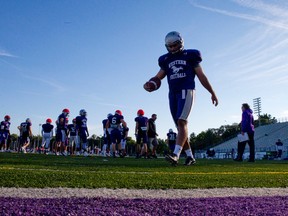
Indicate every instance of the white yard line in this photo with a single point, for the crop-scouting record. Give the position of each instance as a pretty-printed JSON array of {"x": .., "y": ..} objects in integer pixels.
[{"x": 139, "y": 193}]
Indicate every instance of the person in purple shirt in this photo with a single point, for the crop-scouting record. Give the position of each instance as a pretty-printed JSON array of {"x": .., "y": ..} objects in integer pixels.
[
  {"x": 114, "y": 122},
  {"x": 4, "y": 132},
  {"x": 181, "y": 66},
  {"x": 247, "y": 126},
  {"x": 81, "y": 122},
  {"x": 47, "y": 134},
  {"x": 141, "y": 128}
]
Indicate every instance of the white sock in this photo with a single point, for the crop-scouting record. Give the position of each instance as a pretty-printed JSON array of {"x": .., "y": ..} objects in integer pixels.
[
  {"x": 177, "y": 150},
  {"x": 189, "y": 153}
]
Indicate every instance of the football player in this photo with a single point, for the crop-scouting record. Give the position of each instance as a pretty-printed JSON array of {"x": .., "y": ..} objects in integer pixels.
[
  {"x": 61, "y": 133},
  {"x": 73, "y": 137},
  {"x": 180, "y": 66},
  {"x": 171, "y": 137},
  {"x": 114, "y": 123},
  {"x": 141, "y": 134},
  {"x": 81, "y": 122},
  {"x": 25, "y": 129},
  {"x": 4, "y": 132},
  {"x": 124, "y": 135},
  {"x": 107, "y": 138},
  {"x": 47, "y": 134}
]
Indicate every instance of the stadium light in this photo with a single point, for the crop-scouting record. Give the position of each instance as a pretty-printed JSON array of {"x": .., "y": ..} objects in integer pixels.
[{"x": 257, "y": 108}]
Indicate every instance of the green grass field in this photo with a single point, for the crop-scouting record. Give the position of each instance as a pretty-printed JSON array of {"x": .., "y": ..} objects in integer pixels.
[{"x": 39, "y": 171}]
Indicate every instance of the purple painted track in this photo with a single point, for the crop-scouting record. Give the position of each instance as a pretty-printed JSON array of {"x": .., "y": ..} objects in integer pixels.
[{"x": 102, "y": 206}]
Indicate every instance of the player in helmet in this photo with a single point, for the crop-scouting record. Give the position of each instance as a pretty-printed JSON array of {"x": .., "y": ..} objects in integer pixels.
[
  {"x": 114, "y": 122},
  {"x": 73, "y": 137},
  {"x": 4, "y": 133},
  {"x": 107, "y": 138},
  {"x": 152, "y": 136},
  {"x": 171, "y": 138},
  {"x": 81, "y": 122},
  {"x": 47, "y": 134},
  {"x": 180, "y": 66},
  {"x": 141, "y": 134},
  {"x": 25, "y": 129},
  {"x": 124, "y": 135},
  {"x": 61, "y": 133}
]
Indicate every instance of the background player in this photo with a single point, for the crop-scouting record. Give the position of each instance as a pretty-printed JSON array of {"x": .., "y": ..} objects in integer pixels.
[
  {"x": 114, "y": 122},
  {"x": 61, "y": 132},
  {"x": 141, "y": 134},
  {"x": 81, "y": 122},
  {"x": 73, "y": 137},
  {"x": 47, "y": 134},
  {"x": 106, "y": 136},
  {"x": 4, "y": 133},
  {"x": 171, "y": 138},
  {"x": 25, "y": 129}
]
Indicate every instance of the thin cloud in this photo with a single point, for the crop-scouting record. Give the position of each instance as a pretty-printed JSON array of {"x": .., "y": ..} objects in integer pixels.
[
  {"x": 272, "y": 9},
  {"x": 7, "y": 54}
]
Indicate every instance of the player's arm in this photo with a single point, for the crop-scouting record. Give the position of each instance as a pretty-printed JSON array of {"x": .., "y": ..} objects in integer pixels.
[
  {"x": 30, "y": 131},
  {"x": 123, "y": 123},
  {"x": 136, "y": 128},
  {"x": 107, "y": 125},
  {"x": 206, "y": 84}
]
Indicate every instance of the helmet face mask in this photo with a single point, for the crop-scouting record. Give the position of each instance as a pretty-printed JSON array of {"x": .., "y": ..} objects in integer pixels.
[
  {"x": 82, "y": 112},
  {"x": 174, "y": 42},
  {"x": 66, "y": 112}
]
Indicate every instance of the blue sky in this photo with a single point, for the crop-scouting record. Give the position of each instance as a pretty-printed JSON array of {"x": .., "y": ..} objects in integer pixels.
[{"x": 96, "y": 55}]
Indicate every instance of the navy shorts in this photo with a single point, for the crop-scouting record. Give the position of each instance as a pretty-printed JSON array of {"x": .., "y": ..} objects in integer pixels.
[{"x": 181, "y": 104}]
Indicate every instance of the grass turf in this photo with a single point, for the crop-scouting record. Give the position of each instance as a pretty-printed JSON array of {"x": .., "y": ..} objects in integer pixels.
[{"x": 39, "y": 171}]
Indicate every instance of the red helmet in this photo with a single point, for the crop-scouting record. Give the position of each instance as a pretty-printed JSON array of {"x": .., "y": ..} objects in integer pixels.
[
  {"x": 118, "y": 112},
  {"x": 74, "y": 120},
  {"x": 140, "y": 112},
  {"x": 66, "y": 111},
  {"x": 49, "y": 120},
  {"x": 7, "y": 118}
]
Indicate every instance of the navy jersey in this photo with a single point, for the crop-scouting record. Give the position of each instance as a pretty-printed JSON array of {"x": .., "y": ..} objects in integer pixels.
[
  {"x": 115, "y": 121},
  {"x": 4, "y": 126},
  {"x": 61, "y": 125},
  {"x": 171, "y": 136},
  {"x": 72, "y": 129},
  {"x": 24, "y": 128},
  {"x": 142, "y": 123},
  {"x": 81, "y": 122},
  {"x": 179, "y": 69},
  {"x": 47, "y": 128},
  {"x": 124, "y": 132}
]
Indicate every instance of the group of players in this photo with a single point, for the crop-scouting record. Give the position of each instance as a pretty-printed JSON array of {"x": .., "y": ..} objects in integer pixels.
[{"x": 71, "y": 139}]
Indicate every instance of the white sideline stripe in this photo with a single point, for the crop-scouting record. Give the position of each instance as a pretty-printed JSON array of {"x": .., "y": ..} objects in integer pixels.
[{"x": 141, "y": 193}]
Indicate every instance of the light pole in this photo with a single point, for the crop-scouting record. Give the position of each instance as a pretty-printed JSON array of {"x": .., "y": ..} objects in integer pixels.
[{"x": 257, "y": 108}]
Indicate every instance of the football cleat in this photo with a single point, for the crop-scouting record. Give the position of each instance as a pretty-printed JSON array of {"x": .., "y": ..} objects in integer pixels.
[
  {"x": 189, "y": 161},
  {"x": 173, "y": 159}
]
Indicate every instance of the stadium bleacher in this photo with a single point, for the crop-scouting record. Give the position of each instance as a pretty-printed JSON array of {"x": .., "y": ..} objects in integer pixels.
[{"x": 265, "y": 139}]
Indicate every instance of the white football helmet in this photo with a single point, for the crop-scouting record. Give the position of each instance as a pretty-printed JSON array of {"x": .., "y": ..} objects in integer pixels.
[
  {"x": 174, "y": 39},
  {"x": 110, "y": 114},
  {"x": 170, "y": 130},
  {"x": 82, "y": 112}
]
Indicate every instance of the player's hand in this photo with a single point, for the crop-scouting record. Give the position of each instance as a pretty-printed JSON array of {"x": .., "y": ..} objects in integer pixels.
[{"x": 214, "y": 99}]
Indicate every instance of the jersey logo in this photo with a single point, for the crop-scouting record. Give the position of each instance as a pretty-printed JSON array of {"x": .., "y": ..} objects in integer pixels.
[{"x": 176, "y": 69}]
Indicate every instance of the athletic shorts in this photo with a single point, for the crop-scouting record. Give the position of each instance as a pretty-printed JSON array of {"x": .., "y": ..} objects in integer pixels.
[
  {"x": 115, "y": 136},
  {"x": 141, "y": 137},
  {"x": 181, "y": 104},
  {"x": 61, "y": 136}
]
